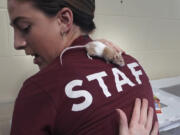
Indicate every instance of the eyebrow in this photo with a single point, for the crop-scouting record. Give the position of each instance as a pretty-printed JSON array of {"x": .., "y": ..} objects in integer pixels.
[{"x": 16, "y": 20}]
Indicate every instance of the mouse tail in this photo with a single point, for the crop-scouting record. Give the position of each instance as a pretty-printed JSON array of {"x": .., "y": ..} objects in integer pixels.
[{"x": 69, "y": 48}]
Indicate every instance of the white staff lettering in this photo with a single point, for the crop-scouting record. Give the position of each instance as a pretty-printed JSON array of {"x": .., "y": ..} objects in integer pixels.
[
  {"x": 125, "y": 79},
  {"x": 77, "y": 94},
  {"x": 99, "y": 78},
  {"x": 134, "y": 72},
  {"x": 120, "y": 80}
]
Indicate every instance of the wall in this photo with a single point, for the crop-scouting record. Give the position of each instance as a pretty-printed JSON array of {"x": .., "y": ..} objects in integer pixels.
[
  {"x": 149, "y": 30},
  {"x": 15, "y": 67}
]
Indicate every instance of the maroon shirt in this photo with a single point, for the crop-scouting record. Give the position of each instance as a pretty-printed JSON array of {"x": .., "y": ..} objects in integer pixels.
[{"x": 80, "y": 96}]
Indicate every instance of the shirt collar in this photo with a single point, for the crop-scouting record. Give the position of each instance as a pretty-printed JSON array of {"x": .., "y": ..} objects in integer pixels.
[{"x": 82, "y": 40}]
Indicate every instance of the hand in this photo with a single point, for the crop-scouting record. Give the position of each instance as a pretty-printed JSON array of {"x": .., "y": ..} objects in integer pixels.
[
  {"x": 141, "y": 121},
  {"x": 111, "y": 45}
]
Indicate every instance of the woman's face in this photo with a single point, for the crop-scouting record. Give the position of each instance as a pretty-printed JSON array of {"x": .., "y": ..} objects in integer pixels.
[{"x": 34, "y": 32}]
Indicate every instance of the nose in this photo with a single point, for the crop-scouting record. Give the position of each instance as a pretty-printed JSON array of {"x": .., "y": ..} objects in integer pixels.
[{"x": 19, "y": 41}]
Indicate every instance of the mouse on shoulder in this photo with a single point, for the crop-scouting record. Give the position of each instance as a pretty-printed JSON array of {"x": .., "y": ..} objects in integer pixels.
[{"x": 98, "y": 49}]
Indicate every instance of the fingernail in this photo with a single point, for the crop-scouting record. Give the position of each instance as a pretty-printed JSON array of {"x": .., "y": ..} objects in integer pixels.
[{"x": 117, "y": 109}]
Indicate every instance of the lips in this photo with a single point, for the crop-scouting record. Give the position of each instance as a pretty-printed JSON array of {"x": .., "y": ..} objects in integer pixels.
[{"x": 37, "y": 59}]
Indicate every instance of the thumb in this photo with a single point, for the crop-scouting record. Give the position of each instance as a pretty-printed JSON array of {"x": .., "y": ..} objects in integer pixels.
[{"x": 123, "y": 124}]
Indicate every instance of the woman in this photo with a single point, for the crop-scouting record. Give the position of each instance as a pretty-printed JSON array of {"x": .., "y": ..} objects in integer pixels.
[{"x": 79, "y": 96}]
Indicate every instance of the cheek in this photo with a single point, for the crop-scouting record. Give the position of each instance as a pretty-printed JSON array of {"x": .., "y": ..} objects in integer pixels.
[
  {"x": 36, "y": 39},
  {"x": 44, "y": 47},
  {"x": 47, "y": 45},
  {"x": 36, "y": 43}
]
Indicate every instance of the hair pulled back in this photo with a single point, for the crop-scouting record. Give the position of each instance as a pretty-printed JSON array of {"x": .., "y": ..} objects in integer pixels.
[{"x": 51, "y": 8}]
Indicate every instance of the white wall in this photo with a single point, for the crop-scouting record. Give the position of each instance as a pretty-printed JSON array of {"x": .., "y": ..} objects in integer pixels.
[
  {"x": 15, "y": 67},
  {"x": 147, "y": 29}
]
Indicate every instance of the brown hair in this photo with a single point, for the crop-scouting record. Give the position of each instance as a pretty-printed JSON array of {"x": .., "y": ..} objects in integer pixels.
[{"x": 83, "y": 11}]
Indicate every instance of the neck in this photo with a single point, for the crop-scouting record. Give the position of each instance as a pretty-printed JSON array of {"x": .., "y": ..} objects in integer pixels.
[{"x": 73, "y": 34}]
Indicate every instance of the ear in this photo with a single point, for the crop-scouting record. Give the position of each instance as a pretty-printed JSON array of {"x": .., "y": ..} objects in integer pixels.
[{"x": 65, "y": 19}]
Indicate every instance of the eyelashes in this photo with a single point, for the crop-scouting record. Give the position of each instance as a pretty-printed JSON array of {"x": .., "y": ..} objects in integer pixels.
[{"x": 26, "y": 30}]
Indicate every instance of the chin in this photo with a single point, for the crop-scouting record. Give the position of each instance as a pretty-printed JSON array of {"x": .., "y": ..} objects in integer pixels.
[{"x": 42, "y": 66}]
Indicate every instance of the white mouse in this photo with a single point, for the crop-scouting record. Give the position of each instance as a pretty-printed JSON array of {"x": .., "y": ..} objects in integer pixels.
[{"x": 98, "y": 49}]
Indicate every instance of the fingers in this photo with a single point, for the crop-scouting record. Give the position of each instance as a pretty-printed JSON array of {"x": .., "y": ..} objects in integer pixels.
[
  {"x": 155, "y": 129},
  {"x": 136, "y": 112},
  {"x": 123, "y": 124},
  {"x": 141, "y": 122},
  {"x": 144, "y": 109},
  {"x": 148, "y": 125},
  {"x": 141, "y": 114},
  {"x": 110, "y": 44}
]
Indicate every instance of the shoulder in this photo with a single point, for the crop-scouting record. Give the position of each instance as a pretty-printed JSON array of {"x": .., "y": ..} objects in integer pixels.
[
  {"x": 29, "y": 89},
  {"x": 41, "y": 82},
  {"x": 133, "y": 64},
  {"x": 128, "y": 58}
]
